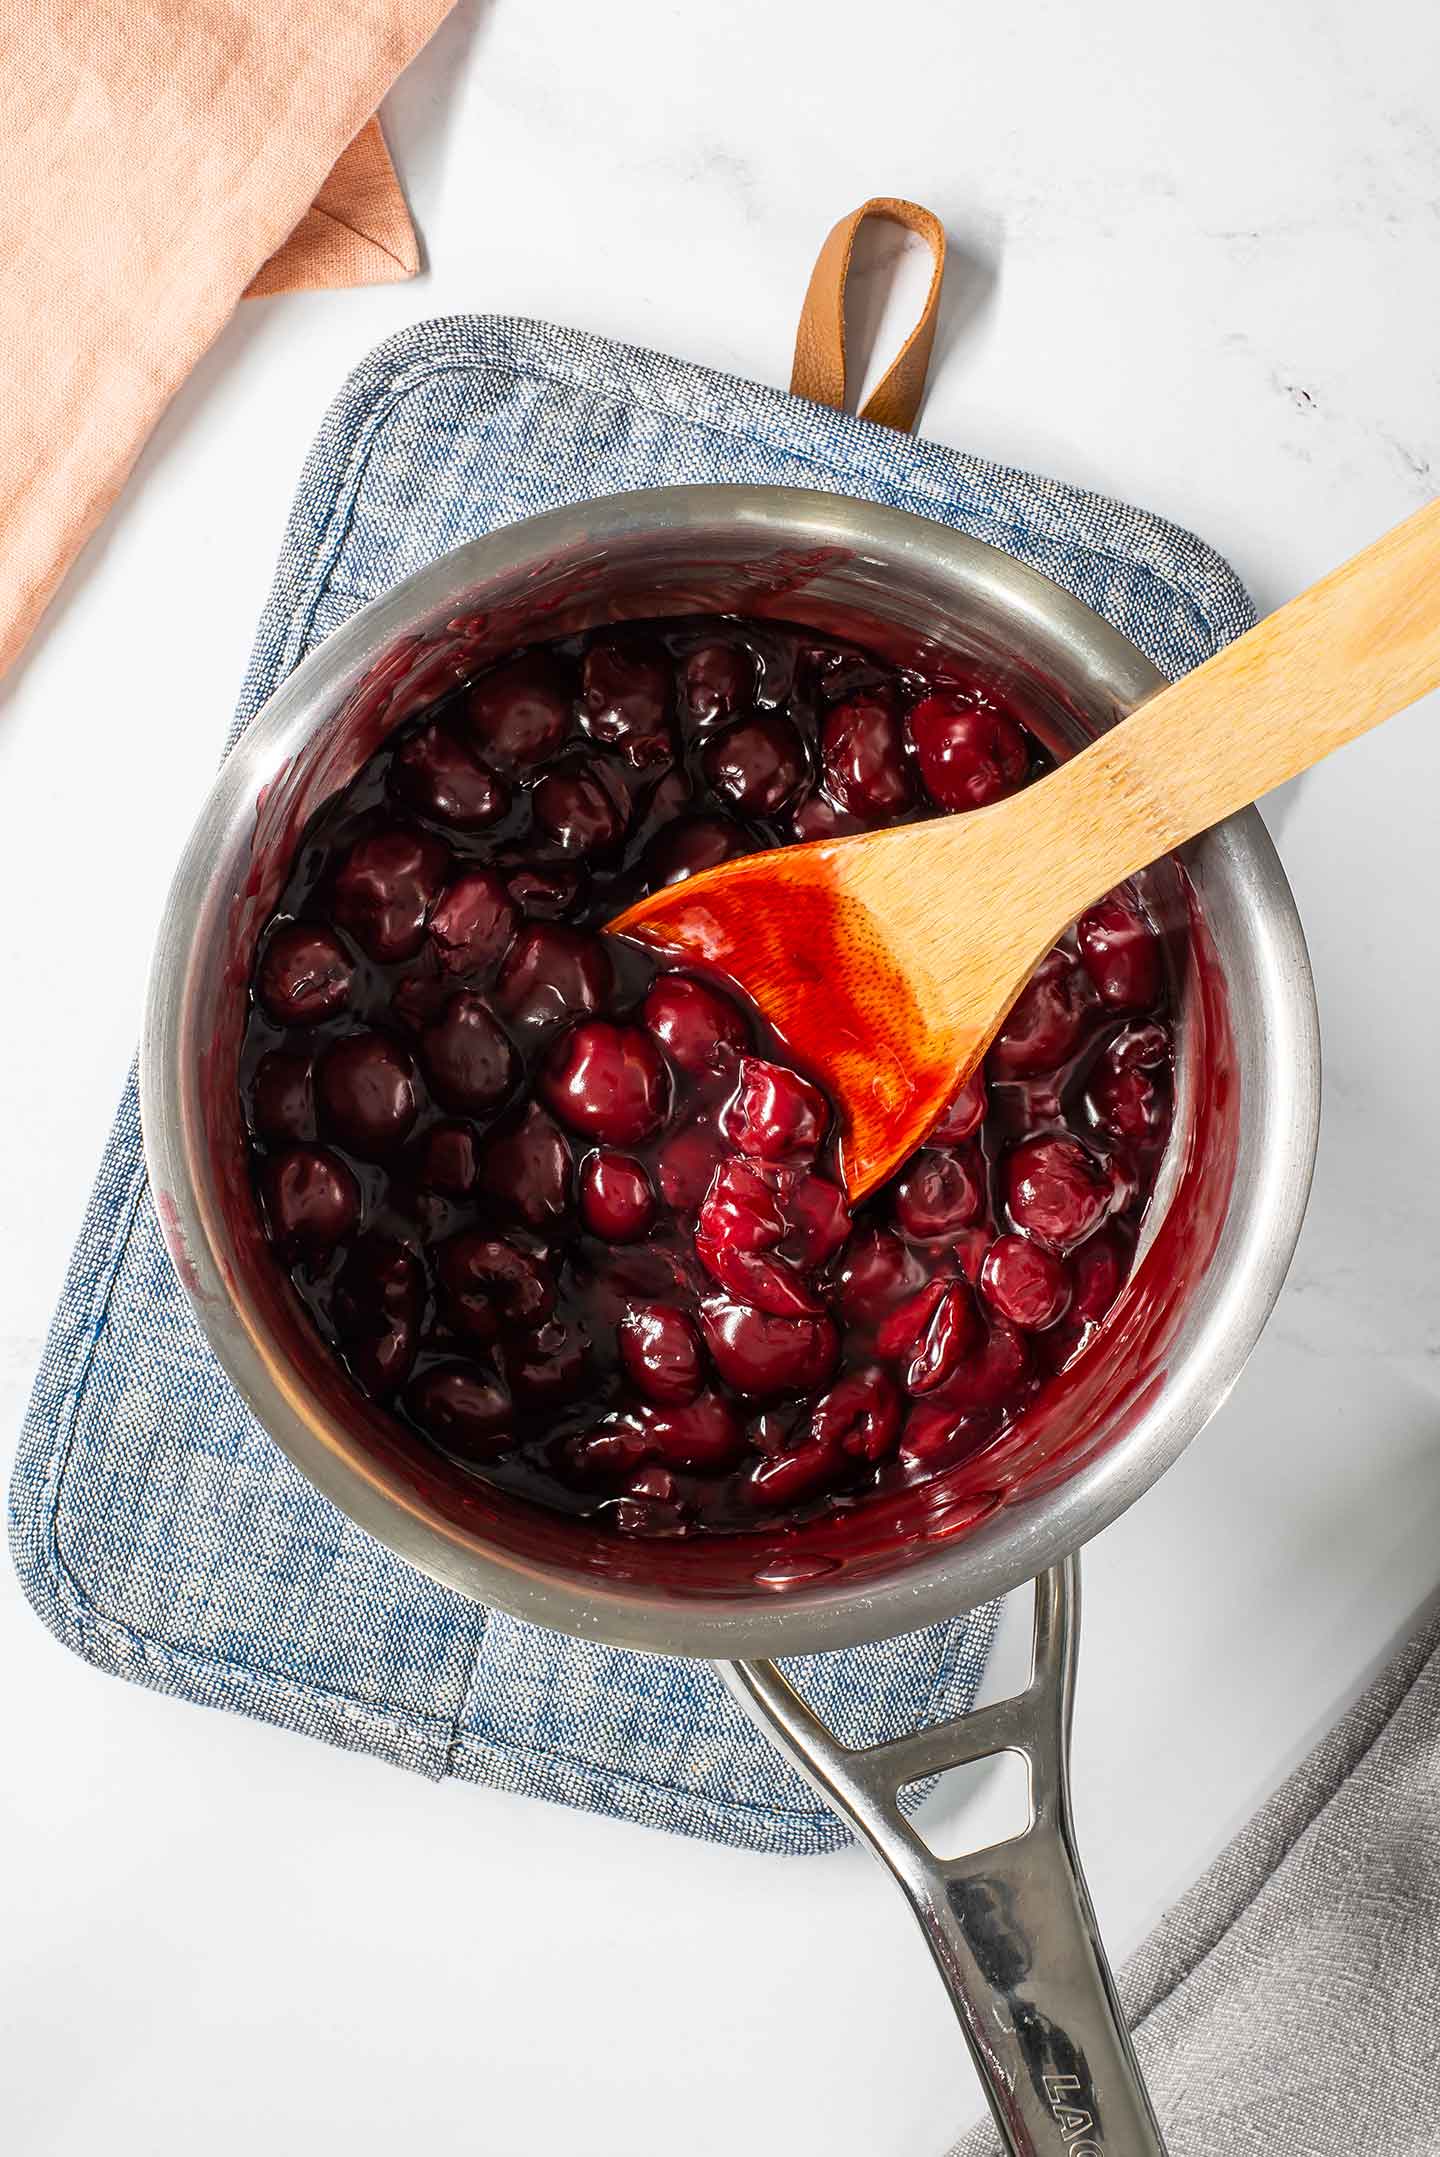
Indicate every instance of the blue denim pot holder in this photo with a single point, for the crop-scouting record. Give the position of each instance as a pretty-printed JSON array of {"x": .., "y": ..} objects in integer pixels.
[{"x": 155, "y": 1527}]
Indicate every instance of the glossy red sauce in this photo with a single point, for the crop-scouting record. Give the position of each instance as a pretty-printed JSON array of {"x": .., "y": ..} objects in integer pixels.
[{"x": 575, "y": 1232}]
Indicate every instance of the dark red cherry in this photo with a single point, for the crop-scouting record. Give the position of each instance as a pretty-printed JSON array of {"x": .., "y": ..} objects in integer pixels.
[
  {"x": 704, "y": 1433},
  {"x": 551, "y": 1365},
  {"x": 965, "y": 1114},
  {"x": 617, "y": 1200},
  {"x": 754, "y": 1206},
  {"x": 757, "y": 764},
  {"x": 701, "y": 1031},
  {"x": 438, "y": 775},
  {"x": 378, "y": 1296},
  {"x": 608, "y": 1082},
  {"x": 1046, "y": 1021},
  {"x": 863, "y": 752},
  {"x": 760, "y": 1355},
  {"x": 365, "y": 1088},
  {"x": 938, "y": 1433},
  {"x": 1120, "y": 953},
  {"x": 969, "y": 753},
  {"x": 611, "y": 1453},
  {"x": 383, "y": 1358},
  {"x": 1024, "y": 1283},
  {"x": 686, "y": 1162},
  {"x": 472, "y": 924},
  {"x": 283, "y": 1098},
  {"x": 304, "y": 974},
  {"x": 939, "y": 1194},
  {"x": 774, "y": 1113},
  {"x": 688, "y": 846},
  {"x": 521, "y": 712},
  {"x": 930, "y": 1333},
  {"x": 718, "y": 683},
  {"x": 644, "y": 1518},
  {"x": 583, "y": 811},
  {"x": 466, "y": 1055},
  {"x": 547, "y": 891},
  {"x": 449, "y": 1160},
  {"x": 818, "y": 818},
  {"x": 860, "y": 1414},
  {"x": 742, "y": 1207},
  {"x": 312, "y": 1199},
  {"x": 385, "y": 889},
  {"x": 486, "y": 1283},
  {"x": 817, "y": 1217},
  {"x": 525, "y": 1167},
  {"x": 552, "y": 974},
  {"x": 1097, "y": 1274},
  {"x": 788, "y": 1478},
  {"x": 770, "y": 1283},
  {"x": 464, "y": 1409},
  {"x": 991, "y": 1377},
  {"x": 1126, "y": 1104},
  {"x": 1056, "y": 1191},
  {"x": 1139, "y": 1048},
  {"x": 876, "y": 1272},
  {"x": 660, "y": 1352},
  {"x": 625, "y": 700}
]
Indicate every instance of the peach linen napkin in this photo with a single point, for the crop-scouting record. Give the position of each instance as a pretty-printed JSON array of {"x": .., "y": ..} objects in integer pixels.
[{"x": 158, "y": 160}]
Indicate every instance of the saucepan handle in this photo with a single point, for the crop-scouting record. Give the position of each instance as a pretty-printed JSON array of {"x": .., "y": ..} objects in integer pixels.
[{"x": 1010, "y": 1927}]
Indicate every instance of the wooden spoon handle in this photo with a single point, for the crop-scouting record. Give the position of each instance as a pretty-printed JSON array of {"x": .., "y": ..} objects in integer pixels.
[{"x": 1352, "y": 650}]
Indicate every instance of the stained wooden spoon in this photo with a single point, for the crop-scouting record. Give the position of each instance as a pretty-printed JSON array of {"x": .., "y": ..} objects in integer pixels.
[{"x": 888, "y": 962}]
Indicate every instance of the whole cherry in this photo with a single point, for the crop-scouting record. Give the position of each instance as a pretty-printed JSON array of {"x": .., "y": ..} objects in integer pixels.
[
  {"x": 472, "y": 923},
  {"x": 702, "y": 1031},
  {"x": 607, "y": 1082},
  {"x": 661, "y": 1353},
  {"x": 1056, "y": 1190},
  {"x": 757, "y": 764},
  {"x": 466, "y": 1055},
  {"x": 867, "y": 771},
  {"x": 305, "y": 974},
  {"x": 365, "y": 1088},
  {"x": 617, "y": 1198},
  {"x": 969, "y": 753},
  {"x": 439, "y": 776},
  {"x": 385, "y": 888},
  {"x": 522, "y": 711},
  {"x": 1024, "y": 1282}
]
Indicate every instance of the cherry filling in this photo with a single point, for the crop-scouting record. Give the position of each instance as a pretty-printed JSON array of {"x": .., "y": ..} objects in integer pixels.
[{"x": 576, "y": 1218}]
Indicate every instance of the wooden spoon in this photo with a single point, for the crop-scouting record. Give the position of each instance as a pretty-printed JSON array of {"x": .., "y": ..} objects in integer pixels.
[{"x": 888, "y": 962}]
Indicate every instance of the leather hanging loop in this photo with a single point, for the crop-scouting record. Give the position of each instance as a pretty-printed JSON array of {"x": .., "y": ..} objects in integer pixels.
[{"x": 819, "y": 369}]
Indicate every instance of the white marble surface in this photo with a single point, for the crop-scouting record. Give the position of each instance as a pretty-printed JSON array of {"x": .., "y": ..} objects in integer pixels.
[{"x": 1195, "y": 264}]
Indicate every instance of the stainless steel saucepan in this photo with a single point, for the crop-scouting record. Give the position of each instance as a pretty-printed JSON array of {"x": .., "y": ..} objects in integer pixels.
[{"x": 1010, "y": 1927}]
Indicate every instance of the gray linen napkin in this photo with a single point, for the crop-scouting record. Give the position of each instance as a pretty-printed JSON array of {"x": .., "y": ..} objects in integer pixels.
[{"x": 1289, "y": 2005}]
